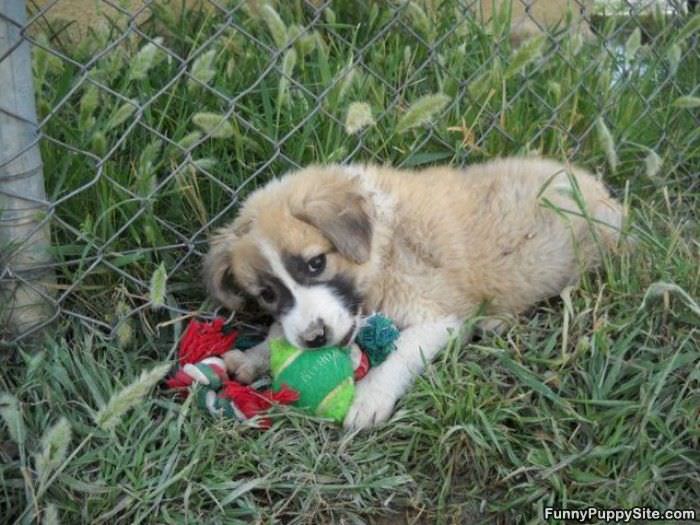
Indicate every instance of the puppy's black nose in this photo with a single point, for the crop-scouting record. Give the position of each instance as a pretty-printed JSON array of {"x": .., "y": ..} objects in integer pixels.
[
  {"x": 316, "y": 335},
  {"x": 317, "y": 341}
]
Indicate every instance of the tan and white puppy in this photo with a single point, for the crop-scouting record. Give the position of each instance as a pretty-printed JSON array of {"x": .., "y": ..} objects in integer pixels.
[{"x": 323, "y": 246}]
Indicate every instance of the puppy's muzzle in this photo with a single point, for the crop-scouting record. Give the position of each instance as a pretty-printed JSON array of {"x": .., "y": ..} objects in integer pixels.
[{"x": 316, "y": 334}]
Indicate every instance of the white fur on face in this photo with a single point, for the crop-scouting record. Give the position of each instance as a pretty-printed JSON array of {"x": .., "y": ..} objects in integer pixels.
[{"x": 311, "y": 302}]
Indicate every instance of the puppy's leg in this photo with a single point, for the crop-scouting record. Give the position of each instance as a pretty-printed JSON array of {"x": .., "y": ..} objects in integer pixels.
[
  {"x": 495, "y": 325},
  {"x": 247, "y": 366},
  {"x": 378, "y": 391}
]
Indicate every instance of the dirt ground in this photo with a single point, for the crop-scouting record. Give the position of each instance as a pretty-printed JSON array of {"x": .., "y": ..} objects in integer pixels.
[
  {"x": 84, "y": 14},
  {"x": 91, "y": 13}
]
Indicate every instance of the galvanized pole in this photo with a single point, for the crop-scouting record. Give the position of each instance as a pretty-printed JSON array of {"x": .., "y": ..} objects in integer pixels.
[{"x": 25, "y": 278}]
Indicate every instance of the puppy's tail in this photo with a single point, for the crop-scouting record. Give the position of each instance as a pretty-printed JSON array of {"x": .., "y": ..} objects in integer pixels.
[{"x": 609, "y": 217}]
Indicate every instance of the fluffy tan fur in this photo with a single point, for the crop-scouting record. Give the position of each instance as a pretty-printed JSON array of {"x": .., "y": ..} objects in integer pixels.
[{"x": 505, "y": 235}]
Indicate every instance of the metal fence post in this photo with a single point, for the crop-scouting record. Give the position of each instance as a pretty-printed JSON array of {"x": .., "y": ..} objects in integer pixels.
[{"x": 25, "y": 280}]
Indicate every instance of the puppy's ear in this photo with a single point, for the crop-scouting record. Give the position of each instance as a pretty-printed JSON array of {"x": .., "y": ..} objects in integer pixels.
[
  {"x": 341, "y": 215},
  {"x": 218, "y": 271}
]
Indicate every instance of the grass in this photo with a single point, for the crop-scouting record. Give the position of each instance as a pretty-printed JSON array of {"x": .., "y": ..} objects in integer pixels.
[{"x": 587, "y": 401}]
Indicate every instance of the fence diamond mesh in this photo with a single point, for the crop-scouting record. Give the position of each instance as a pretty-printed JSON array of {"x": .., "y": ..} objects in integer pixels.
[{"x": 156, "y": 118}]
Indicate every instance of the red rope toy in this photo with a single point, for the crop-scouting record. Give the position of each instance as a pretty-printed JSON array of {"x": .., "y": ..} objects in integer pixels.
[{"x": 200, "y": 363}]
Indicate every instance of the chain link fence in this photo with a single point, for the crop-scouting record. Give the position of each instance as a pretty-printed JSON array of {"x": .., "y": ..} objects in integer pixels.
[{"x": 154, "y": 119}]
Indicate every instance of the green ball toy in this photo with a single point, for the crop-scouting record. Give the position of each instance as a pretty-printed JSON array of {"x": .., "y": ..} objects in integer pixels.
[{"x": 323, "y": 378}]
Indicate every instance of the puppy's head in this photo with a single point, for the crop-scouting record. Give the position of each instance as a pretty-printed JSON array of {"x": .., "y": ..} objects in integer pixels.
[{"x": 297, "y": 246}]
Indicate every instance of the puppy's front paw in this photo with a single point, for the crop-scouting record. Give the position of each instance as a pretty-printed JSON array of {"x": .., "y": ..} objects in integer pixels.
[
  {"x": 241, "y": 367},
  {"x": 372, "y": 405}
]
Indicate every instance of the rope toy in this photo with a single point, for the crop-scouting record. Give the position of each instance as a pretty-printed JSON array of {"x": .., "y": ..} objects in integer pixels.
[
  {"x": 321, "y": 380},
  {"x": 377, "y": 337},
  {"x": 200, "y": 364}
]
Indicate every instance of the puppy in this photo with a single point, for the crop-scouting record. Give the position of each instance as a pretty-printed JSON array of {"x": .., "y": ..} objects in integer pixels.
[{"x": 323, "y": 246}]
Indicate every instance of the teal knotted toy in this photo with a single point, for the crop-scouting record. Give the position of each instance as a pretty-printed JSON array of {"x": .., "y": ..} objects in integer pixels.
[{"x": 377, "y": 337}]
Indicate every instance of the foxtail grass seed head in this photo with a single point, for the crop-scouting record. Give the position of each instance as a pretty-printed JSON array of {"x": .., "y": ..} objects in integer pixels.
[
  {"x": 129, "y": 397},
  {"x": 145, "y": 186},
  {"x": 321, "y": 45},
  {"x": 230, "y": 68},
  {"x": 147, "y": 57},
  {"x": 50, "y": 515},
  {"x": 347, "y": 78},
  {"x": 605, "y": 80},
  {"x": 158, "y": 287},
  {"x": 607, "y": 142},
  {"x": 151, "y": 232},
  {"x": 306, "y": 43},
  {"x": 373, "y": 13},
  {"x": 43, "y": 61},
  {"x": 575, "y": 44},
  {"x": 109, "y": 67},
  {"x": 149, "y": 158},
  {"x": 88, "y": 103},
  {"x": 329, "y": 15},
  {"x": 407, "y": 56},
  {"x": 122, "y": 309},
  {"x": 202, "y": 70},
  {"x": 338, "y": 155},
  {"x": 214, "y": 125},
  {"x": 633, "y": 43},
  {"x": 673, "y": 55},
  {"x": 189, "y": 140},
  {"x": 288, "y": 63},
  {"x": 461, "y": 50},
  {"x": 11, "y": 414},
  {"x": 359, "y": 116},
  {"x": 277, "y": 28},
  {"x": 124, "y": 333},
  {"x": 205, "y": 164},
  {"x": 462, "y": 27},
  {"x": 528, "y": 52},
  {"x": 419, "y": 20},
  {"x": 122, "y": 114},
  {"x": 34, "y": 362},
  {"x": 294, "y": 32},
  {"x": 687, "y": 102},
  {"x": 86, "y": 122},
  {"x": 99, "y": 143},
  {"x": 555, "y": 89},
  {"x": 689, "y": 29},
  {"x": 653, "y": 164},
  {"x": 300, "y": 101},
  {"x": 487, "y": 80},
  {"x": 54, "y": 448},
  {"x": 422, "y": 111},
  {"x": 87, "y": 225}
]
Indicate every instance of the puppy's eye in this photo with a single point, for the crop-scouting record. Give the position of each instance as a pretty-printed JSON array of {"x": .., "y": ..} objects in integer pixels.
[
  {"x": 316, "y": 265},
  {"x": 267, "y": 294}
]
